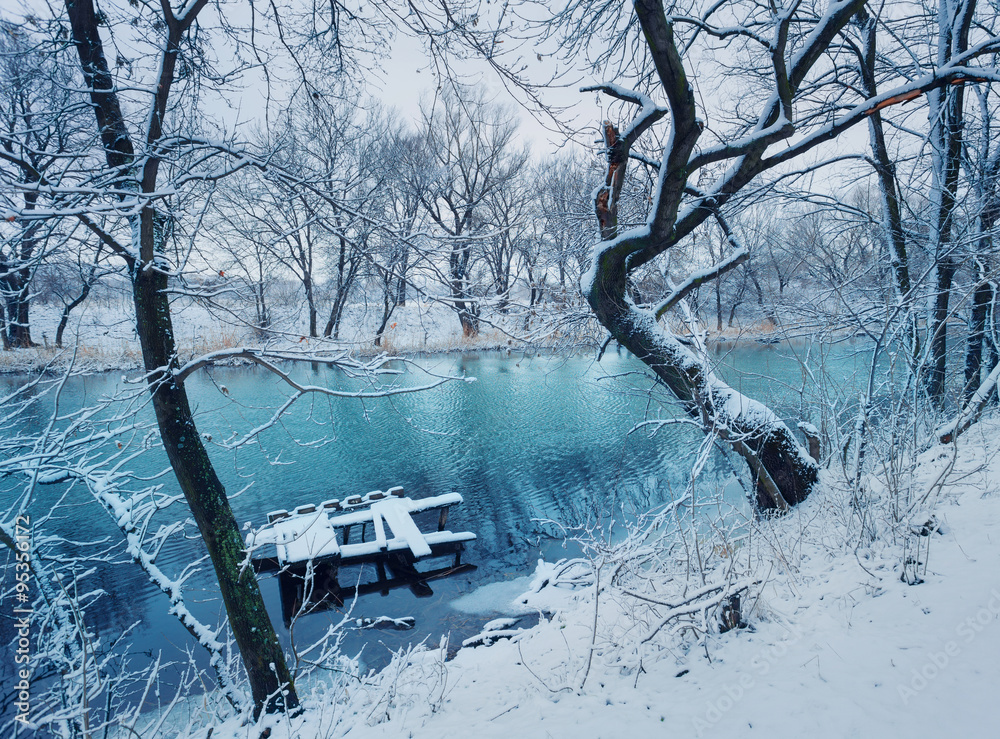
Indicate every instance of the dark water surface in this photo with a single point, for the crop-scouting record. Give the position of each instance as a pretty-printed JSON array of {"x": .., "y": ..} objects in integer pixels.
[{"x": 532, "y": 438}]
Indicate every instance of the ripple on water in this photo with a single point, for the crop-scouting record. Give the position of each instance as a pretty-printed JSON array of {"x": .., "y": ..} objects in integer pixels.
[{"x": 533, "y": 437}]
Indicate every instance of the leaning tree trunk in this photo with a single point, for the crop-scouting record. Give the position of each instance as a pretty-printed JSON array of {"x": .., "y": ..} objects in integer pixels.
[
  {"x": 68, "y": 308},
  {"x": 270, "y": 681},
  {"x": 783, "y": 473}
]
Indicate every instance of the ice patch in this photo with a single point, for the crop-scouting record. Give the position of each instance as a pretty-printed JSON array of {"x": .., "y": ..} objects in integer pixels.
[{"x": 496, "y": 597}]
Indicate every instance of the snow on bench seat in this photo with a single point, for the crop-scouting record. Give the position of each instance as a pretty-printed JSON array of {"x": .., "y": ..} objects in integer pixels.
[
  {"x": 312, "y": 534},
  {"x": 397, "y": 516},
  {"x": 407, "y": 504},
  {"x": 426, "y": 504},
  {"x": 300, "y": 538}
]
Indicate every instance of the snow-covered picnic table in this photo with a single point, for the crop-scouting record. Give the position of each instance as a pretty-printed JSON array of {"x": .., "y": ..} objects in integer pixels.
[{"x": 311, "y": 533}]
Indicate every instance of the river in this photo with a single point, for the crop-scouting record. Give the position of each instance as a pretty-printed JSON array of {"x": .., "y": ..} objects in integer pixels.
[{"x": 535, "y": 442}]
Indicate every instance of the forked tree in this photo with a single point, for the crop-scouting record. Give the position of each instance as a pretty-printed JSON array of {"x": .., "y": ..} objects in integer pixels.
[
  {"x": 134, "y": 157},
  {"x": 789, "y": 55},
  {"x": 471, "y": 151}
]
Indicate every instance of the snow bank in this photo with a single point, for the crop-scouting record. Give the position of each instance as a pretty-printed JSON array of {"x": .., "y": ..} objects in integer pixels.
[
  {"x": 837, "y": 644},
  {"x": 102, "y": 332},
  {"x": 496, "y": 597}
]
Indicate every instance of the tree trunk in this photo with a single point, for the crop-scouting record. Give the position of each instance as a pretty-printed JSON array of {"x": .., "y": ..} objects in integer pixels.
[
  {"x": 270, "y": 681},
  {"x": 468, "y": 312},
  {"x": 718, "y": 309},
  {"x": 469, "y": 320},
  {"x": 340, "y": 294},
  {"x": 401, "y": 290},
  {"x": 387, "y": 308},
  {"x": 938, "y": 360},
  {"x": 67, "y": 309},
  {"x": 260, "y": 303},
  {"x": 310, "y": 306},
  {"x": 18, "y": 320},
  {"x": 402, "y": 268},
  {"x": 981, "y": 300},
  {"x": 947, "y": 120},
  {"x": 783, "y": 473},
  {"x": 3, "y": 328},
  {"x": 19, "y": 280},
  {"x": 260, "y": 300}
]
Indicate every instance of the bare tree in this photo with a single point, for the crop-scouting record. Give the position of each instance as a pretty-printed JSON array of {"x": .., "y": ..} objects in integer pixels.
[
  {"x": 41, "y": 117},
  {"x": 786, "y": 61},
  {"x": 134, "y": 151},
  {"x": 566, "y": 214},
  {"x": 470, "y": 154},
  {"x": 245, "y": 255},
  {"x": 391, "y": 257}
]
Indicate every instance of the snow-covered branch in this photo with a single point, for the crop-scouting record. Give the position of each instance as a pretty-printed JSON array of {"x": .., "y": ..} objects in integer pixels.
[{"x": 697, "y": 279}]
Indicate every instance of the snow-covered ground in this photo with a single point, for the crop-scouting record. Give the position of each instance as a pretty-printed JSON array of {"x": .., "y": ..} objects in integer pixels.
[
  {"x": 102, "y": 332},
  {"x": 836, "y": 644}
]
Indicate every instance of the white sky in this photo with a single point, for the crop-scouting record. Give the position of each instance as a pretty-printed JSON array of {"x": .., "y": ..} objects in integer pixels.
[{"x": 408, "y": 78}]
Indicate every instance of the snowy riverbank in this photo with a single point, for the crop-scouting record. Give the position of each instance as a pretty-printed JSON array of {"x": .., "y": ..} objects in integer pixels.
[
  {"x": 101, "y": 337},
  {"x": 102, "y": 333},
  {"x": 836, "y": 645}
]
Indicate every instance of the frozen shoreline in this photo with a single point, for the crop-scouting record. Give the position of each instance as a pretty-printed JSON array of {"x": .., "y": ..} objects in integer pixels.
[
  {"x": 103, "y": 335},
  {"x": 837, "y": 646}
]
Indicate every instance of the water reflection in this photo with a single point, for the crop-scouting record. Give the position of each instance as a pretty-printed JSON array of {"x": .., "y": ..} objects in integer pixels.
[{"x": 534, "y": 439}]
